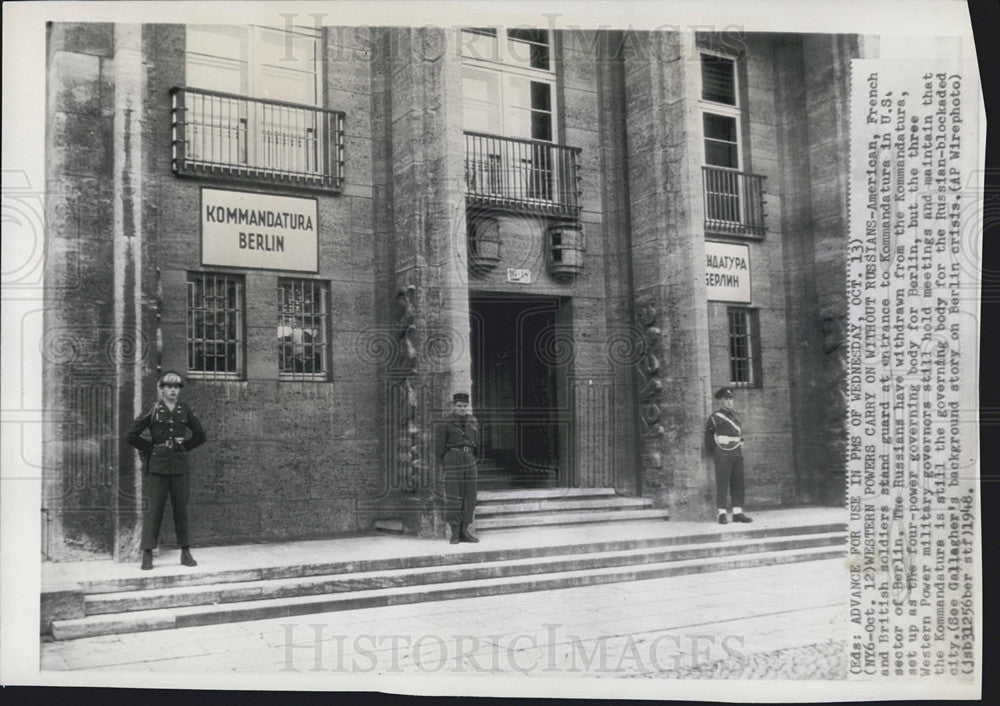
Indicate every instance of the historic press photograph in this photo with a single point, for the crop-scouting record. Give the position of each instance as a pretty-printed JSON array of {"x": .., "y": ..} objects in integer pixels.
[{"x": 480, "y": 351}]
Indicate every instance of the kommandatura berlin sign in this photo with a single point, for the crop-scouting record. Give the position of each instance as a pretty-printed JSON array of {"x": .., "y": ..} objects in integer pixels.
[
  {"x": 727, "y": 272},
  {"x": 259, "y": 231}
]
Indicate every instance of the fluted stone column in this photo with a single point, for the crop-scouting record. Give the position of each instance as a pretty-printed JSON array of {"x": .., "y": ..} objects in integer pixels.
[
  {"x": 668, "y": 256},
  {"x": 421, "y": 153}
]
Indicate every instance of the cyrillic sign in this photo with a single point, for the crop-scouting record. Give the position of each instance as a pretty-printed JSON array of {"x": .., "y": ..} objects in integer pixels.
[
  {"x": 727, "y": 272},
  {"x": 517, "y": 276},
  {"x": 259, "y": 231}
]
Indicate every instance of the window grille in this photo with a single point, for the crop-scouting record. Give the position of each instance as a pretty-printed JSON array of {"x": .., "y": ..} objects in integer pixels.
[
  {"x": 744, "y": 348},
  {"x": 215, "y": 322},
  {"x": 303, "y": 321}
]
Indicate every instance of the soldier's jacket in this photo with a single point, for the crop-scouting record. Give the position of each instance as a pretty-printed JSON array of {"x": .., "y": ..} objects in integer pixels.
[
  {"x": 722, "y": 423},
  {"x": 456, "y": 431},
  {"x": 164, "y": 426}
]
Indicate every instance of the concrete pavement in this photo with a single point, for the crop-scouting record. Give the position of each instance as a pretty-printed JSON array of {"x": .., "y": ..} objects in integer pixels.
[{"x": 783, "y": 620}]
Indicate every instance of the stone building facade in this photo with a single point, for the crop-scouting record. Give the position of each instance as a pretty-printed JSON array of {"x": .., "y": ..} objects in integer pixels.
[{"x": 591, "y": 230}]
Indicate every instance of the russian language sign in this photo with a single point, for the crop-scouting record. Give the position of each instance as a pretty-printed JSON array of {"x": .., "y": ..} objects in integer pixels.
[
  {"x": 727, "y": 272},
  {"x": 259, "y": 231}
]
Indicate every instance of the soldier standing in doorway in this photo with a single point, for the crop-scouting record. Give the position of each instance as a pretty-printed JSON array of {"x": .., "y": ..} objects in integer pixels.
[
  {"x": 457, "y": 437},
  {"x": 724, "y": 436},
  {"x": 165, "y": 468}
]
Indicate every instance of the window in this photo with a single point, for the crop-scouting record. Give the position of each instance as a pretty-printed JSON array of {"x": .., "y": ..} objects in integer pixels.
[
  {"x": 525, "y": 47},
  {"x": 215, "y": 339},
  {"x": 718, "y": 79},
  {"x": 744, "y": 347},
  {"x": 734, "y": 198},
  {"x": 720, "y": 120},
  {"x": 253, "y": 102},
  {"x": 303, "y": 320},
  {"x": 261, "y": 62},
  {"x": 508, "y": 107}
]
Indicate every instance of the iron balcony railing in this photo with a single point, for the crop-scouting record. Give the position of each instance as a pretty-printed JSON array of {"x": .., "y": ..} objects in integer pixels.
[
  {"x": 236, "y": 137},
  {"x": 734, "y": 202},
  {"x": 524, "y": 176}
]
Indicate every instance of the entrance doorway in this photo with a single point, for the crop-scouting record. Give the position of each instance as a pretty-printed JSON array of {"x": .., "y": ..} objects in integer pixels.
[{"x": 518, "y": 373}]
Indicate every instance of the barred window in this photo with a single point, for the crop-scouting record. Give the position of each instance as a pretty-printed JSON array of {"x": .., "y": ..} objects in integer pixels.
[
  {"x": 303, "y": 320},
  {"x": 215, "y": 339},
  {"x": 744, "y": 347}
]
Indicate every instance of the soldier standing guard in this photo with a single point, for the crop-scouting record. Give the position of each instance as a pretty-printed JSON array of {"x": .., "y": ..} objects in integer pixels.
[
  {"x": 724, "y": 432},
  {"x": 457, "y": 437},
  {"x": 165, "y": 467}
]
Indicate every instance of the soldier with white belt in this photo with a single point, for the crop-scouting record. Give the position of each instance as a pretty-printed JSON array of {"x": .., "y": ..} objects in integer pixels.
[{"x": 725, "y": 431}]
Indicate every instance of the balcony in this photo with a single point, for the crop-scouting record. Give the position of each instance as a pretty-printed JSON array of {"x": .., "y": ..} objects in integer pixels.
[
  {"x": 734, "y": 202},
  {"x": 522, "y": 176},
  {"x": 229, "y": 136}
]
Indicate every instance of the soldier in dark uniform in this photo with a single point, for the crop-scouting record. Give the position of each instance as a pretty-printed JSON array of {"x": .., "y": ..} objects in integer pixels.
[
  {"x": 166, "y": 464},
  {"x": 457, "y": 437},
  {"x": 724, "y": 436}
]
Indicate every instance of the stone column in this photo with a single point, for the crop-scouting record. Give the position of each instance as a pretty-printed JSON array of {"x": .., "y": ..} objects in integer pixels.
[
  {"x": 668, "y": 258},
  {"x": 419, "y": 169},
  {"x": 129, "y": 233},
  {"x": 826, "y": 72},
  {"x": 79, "y": 343}
]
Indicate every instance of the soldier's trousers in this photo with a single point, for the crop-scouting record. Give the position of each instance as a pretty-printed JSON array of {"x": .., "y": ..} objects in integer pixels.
[
  {"x": 158, "y": 486},
  {"x": 728, "y": 477},
  {"x": 459, "y": 487}
]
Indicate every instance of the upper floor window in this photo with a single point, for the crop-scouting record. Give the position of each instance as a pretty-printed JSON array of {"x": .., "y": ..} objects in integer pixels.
[
  {"x": 733, "y": 197},
  {"x": 259, "y": 62},
  {"x": 721, "y": 119},
  {"x": 524, "y": 47},
  {"x": 508, "y": 89},
  {"x": 251, "y": 108},
  {"x": 718, "y": 79}
]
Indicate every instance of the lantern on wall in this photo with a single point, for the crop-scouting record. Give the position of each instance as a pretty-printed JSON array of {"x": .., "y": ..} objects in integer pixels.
[
  {"x": 484, "y": 244},
  {"x": 564, "y": 256}
]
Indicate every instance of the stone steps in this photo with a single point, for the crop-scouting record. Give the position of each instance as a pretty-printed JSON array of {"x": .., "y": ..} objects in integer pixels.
[
  {"x": 231, "y": 592},
  {"x": 487, "y": 496},
  {"x": 548, "y": 507},
  {"x": 296, "y": 590},
  {"x": 591, "y": 504},
  {"x": 204, "y": 575}
]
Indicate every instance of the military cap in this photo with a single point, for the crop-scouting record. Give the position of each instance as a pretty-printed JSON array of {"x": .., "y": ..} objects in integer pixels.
[
  {"x": 170, "y": 377},
  {"x": 460, "y": 397},
  {"x": 723, "y": 392}
]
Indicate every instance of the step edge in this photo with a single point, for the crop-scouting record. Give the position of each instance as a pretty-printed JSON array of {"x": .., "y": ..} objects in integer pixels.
[
  {"x": 339, "y": 567},
  {"x": 325, "y": 602},
  {"x": 761, "y": 545}
]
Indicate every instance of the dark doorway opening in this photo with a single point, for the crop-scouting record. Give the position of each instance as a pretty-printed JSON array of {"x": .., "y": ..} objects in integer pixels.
[{"x": 518, "y": 362}]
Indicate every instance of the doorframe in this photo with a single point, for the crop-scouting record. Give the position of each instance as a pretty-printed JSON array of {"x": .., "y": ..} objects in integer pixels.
[{"x": 561, "y": 307}]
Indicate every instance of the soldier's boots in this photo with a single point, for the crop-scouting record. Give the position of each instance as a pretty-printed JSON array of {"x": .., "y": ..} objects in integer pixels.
[
  {"x": 147, "y": 559},
  {"x": 454, "y": 535},
  {"x": 467, "y": 536},
  {"x": 186, "y": 557}
]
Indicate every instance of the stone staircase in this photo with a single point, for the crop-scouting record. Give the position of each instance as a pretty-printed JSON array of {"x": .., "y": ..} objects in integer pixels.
[
  {"x": 380, "y": 573},
  {"x": 505, "y": 509}
]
